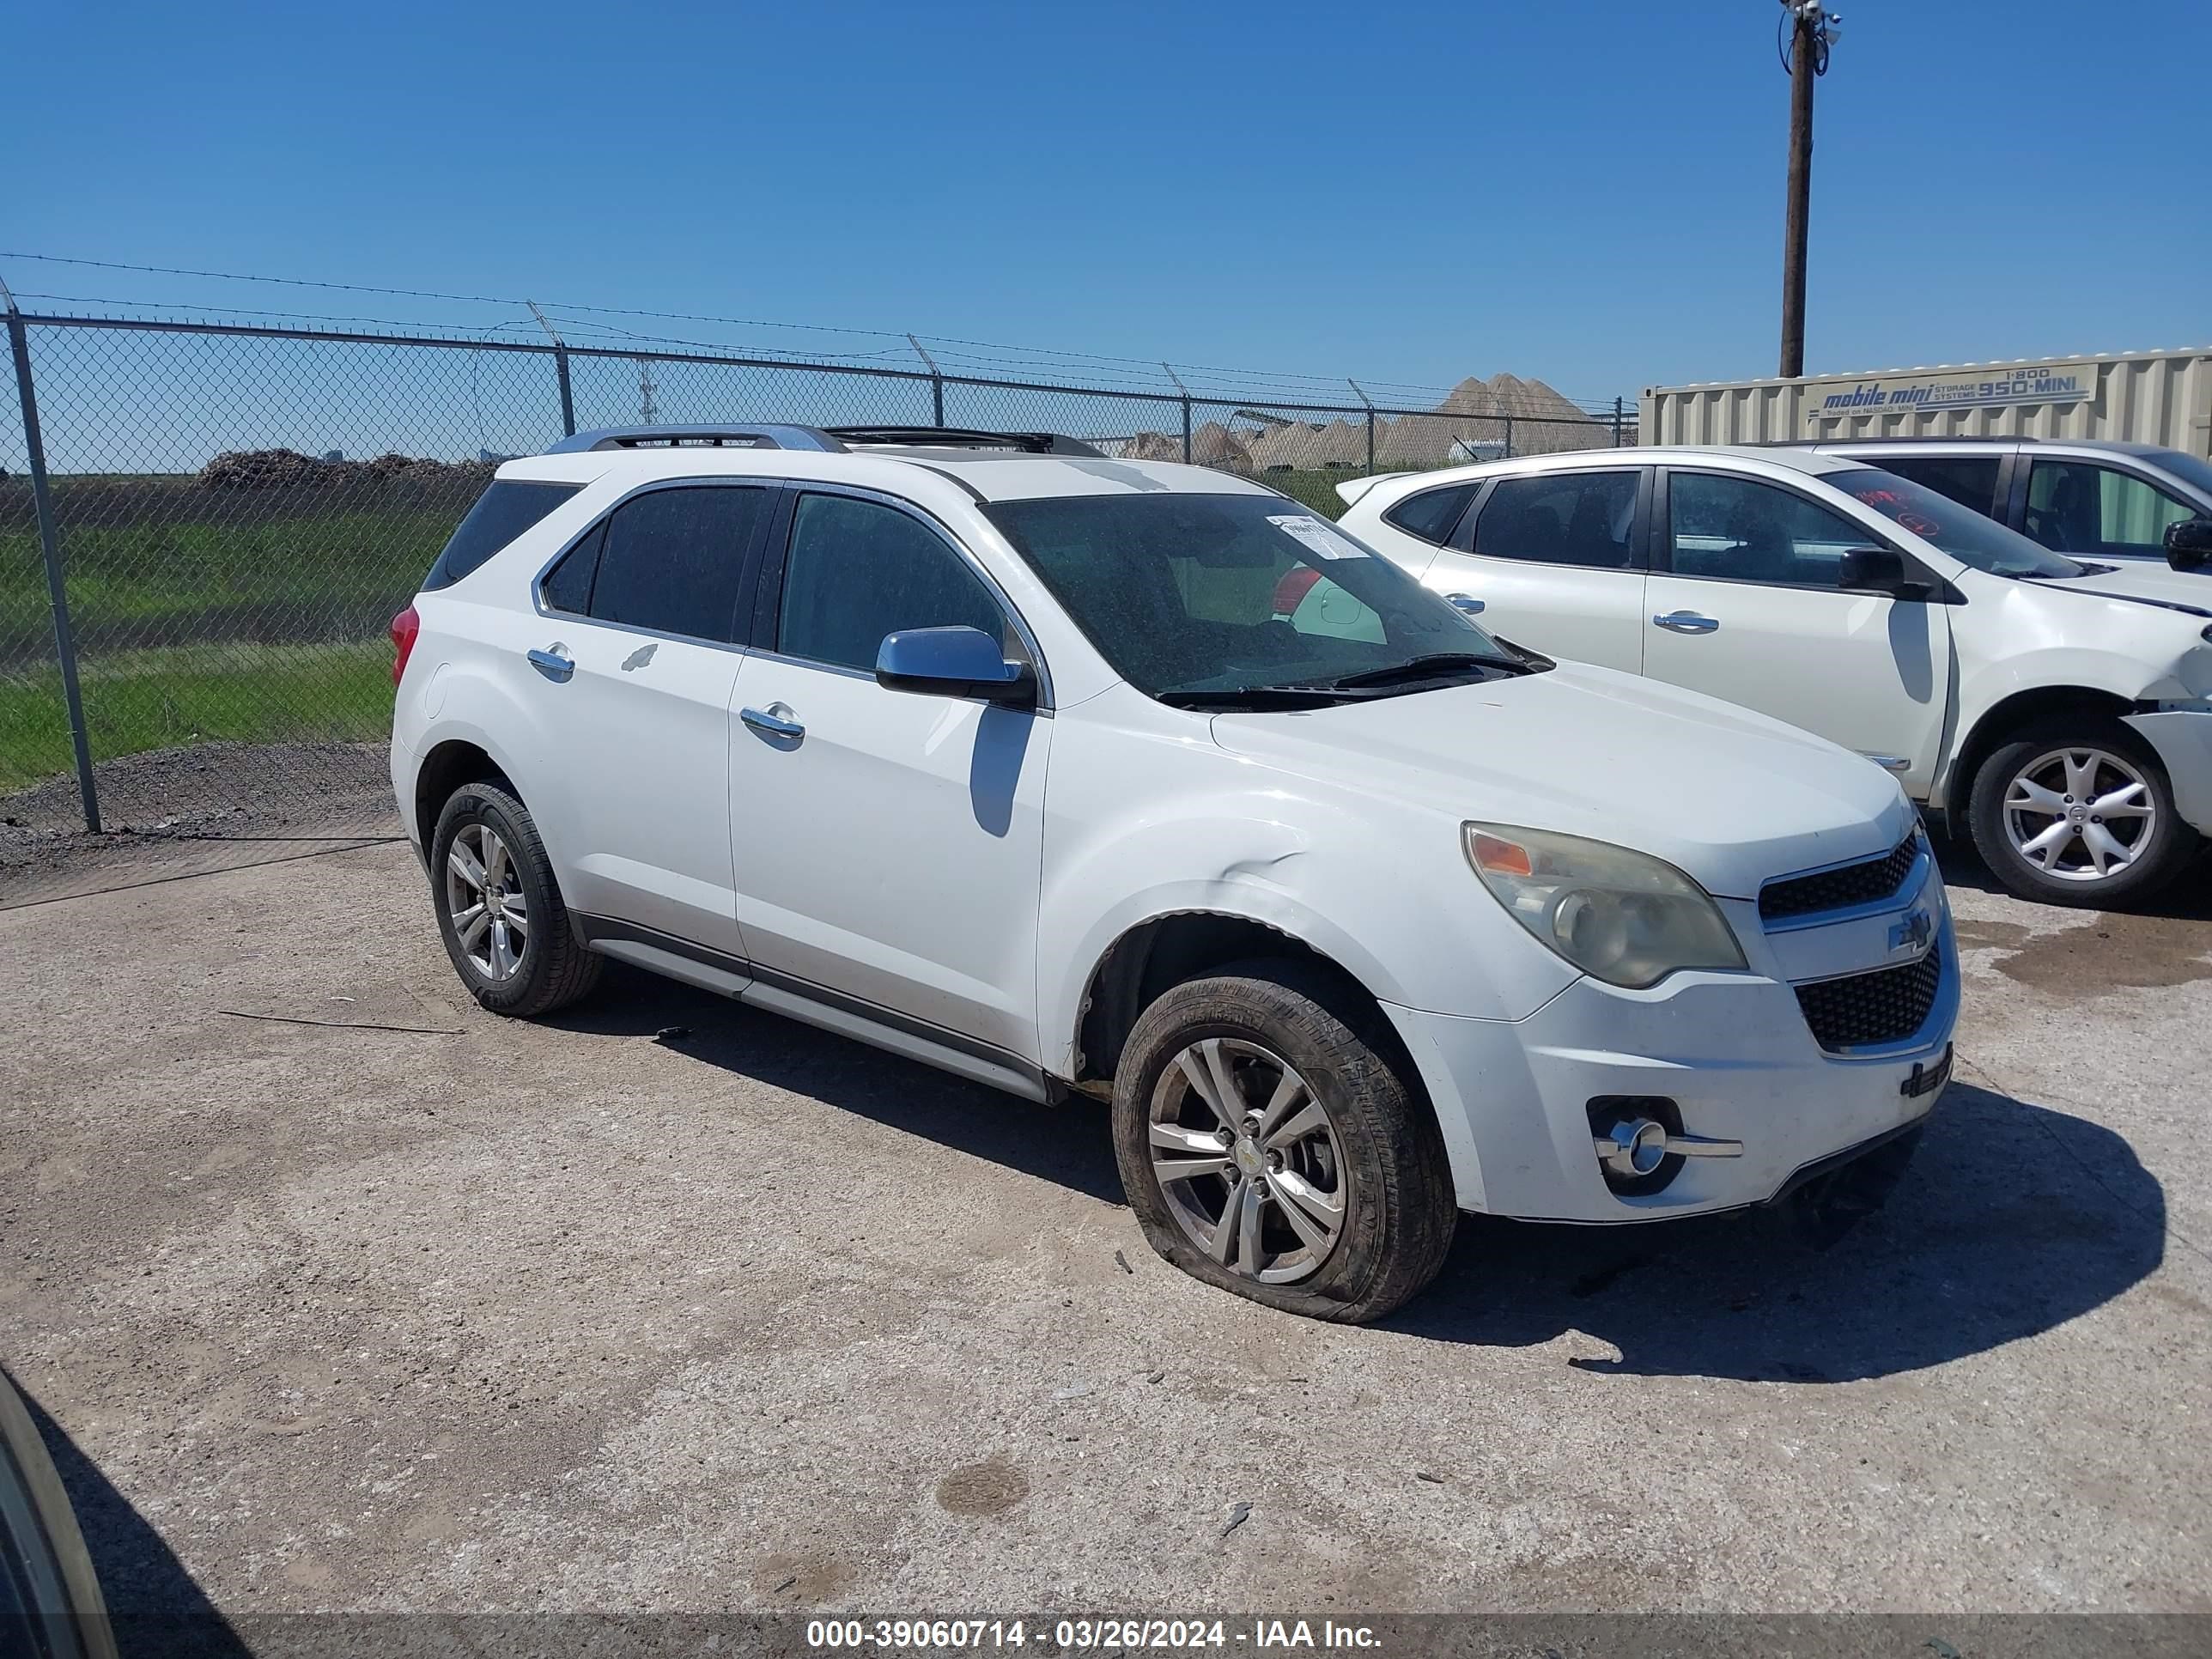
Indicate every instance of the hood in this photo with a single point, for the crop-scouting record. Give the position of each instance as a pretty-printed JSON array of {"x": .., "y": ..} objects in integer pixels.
[
  {"x": 2144, "y": 582},
  {"x": 1732, "y": 797}
]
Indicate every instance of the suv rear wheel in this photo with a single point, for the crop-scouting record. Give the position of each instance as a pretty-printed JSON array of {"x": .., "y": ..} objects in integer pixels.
[
  {"x": 2076, "y": 809},
  {"x": 499, "y": 910},
  {"x": 1269, "y": 1147}
]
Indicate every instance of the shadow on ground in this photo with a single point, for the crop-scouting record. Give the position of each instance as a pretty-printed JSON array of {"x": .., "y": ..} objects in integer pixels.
[
  {"x": 2011, "y": 1219},
  {"x": 2189, "y": 899},
  {"x": 153, "y": 1600}
]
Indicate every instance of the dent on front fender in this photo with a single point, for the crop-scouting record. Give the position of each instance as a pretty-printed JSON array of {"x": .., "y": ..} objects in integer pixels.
[{"x": 2183, "y": 740}]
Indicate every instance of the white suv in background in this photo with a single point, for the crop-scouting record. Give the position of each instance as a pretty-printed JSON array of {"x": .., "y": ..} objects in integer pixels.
[
  {"x": 1067, "y": 774},
  {"x": 2061, "y": 710}
]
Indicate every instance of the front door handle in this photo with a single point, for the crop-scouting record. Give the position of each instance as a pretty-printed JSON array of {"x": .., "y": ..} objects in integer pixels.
[
  {"x": 1687, "y": 622},
  {"x": 553, "y": 665},
  {"x": 775, "y": 721},
  {"x": 1466, "y": 602}
]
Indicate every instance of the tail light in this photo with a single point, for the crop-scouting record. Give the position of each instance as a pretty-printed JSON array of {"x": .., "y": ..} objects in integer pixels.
[
  {"x": 1290, "y": 592},
  {"x": 404, "y": 627}
]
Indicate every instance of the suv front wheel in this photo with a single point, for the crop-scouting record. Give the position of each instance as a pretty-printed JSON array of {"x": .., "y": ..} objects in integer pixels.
[
  {"x": 1270, "y": 1146},
  {"x": 499, "y": 910},
  {"x": 2077, "y": 811}
]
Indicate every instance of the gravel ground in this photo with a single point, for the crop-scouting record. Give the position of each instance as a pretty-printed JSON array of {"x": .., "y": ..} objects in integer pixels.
[
  {"x": 419, "y": 1310},
  {"x": 185, "y": 812}
]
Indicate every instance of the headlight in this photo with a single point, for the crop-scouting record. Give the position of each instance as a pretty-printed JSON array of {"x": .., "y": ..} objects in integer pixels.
[{"x": 1623, "y": 917}]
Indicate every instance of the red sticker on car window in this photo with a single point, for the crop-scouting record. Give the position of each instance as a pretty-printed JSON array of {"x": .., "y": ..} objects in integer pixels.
[{"x": 1919, "y": 523}]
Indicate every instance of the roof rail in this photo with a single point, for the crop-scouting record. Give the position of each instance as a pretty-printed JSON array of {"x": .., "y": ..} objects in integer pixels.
[
  {"x": 955, "y": 437},
  {"x": 697, "y": 437}
]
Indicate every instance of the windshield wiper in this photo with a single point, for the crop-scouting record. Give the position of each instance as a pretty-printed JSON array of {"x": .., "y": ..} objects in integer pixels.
[
  {"x": 1259, "y": 696},
  {"x": 1434, "y": 665}
]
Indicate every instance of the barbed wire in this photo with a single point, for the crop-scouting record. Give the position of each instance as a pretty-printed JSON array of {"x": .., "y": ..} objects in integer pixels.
[{"x": 952, "y": 353}]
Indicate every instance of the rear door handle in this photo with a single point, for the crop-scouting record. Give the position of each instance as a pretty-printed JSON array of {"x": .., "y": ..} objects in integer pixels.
[
  {"x": 1466, "y": 602},
  {"x": 774, "y": 721},
  {"x": 553, "y": 665},
  {"x": 1687, "y": 622}
]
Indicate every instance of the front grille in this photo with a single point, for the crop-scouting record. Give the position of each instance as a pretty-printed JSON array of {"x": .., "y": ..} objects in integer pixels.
[
  {"x": 1865, "y": 883},
  {"x": 1886, "y": 1006}
]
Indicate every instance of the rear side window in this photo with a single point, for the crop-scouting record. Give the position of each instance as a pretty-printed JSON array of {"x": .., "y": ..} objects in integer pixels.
[
  {"x": 1969, "y": 480},
  {"x": 1562, "y": 517},
  {"x": 503, "y": 512},
  {"x": 669, "y": 559},
  {"x": 1431, "y": 514}
]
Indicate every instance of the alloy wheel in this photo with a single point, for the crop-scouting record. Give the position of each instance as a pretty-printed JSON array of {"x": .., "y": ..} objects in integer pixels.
[
  {"x": 484, "y": 897},
  {"x": 2080, "y": 814},
  {"x": 1249, "y": 1160}
]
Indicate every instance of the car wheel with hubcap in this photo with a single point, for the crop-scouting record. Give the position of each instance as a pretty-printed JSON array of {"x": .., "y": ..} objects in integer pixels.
[
  {"x": 2078, "y": 812},
  {"x": 500, "y": 909},
  {"x": 1269, "y": 1145}
]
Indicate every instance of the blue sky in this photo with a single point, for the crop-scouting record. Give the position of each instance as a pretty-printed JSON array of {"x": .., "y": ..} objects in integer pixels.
[{"x": 1590, "y": 193}]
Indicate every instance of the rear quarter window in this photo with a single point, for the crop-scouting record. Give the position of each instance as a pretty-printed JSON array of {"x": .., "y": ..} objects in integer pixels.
[
  {"x": 1431, "y": 514},
  {"x": 503, "y": 512}
]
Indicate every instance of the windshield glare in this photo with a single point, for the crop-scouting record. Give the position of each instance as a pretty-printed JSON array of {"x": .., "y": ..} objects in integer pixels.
[
  {"x": 1965, "y": 534},
  {"x": 1205, "y": 593}
]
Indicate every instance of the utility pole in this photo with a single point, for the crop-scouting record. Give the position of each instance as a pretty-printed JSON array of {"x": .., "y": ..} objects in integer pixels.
[{"x": 1807, "y": 33}]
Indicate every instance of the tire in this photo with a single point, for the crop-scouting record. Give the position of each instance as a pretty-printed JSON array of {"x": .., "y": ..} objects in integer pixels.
[
  {"x": 551, "y": 968},
  {"x": 1377, "y": 1152},
  {"x": 2037, "y": 765}
]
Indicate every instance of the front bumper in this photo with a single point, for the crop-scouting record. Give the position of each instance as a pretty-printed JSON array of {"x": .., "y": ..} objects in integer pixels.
[
  {"x": 1733, "y": 1051},
  {"x": 2183, "y": 739}
]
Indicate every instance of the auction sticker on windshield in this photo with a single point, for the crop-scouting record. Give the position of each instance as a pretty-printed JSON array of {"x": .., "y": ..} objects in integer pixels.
[{"x": 1320, "y": 536}]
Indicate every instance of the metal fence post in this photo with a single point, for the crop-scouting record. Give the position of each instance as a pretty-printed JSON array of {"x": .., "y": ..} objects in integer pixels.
[
  {"x": 560, "y": 371},
  {"x": 1508, "y": 419},
  {"x": 1369, "y": 402},
  {"x": 936, "y": 383},
  {"x": 1183, "y": 392},
  {"x": 49, "y": 544},
  {"x": 1616, "y": 423}
]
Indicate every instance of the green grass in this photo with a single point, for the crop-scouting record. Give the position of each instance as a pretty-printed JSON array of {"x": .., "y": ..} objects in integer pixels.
[
  {"x": 185, "y": 574},
  {"x": 204, "y": 615},
  {"x": 158, "y": 699}
]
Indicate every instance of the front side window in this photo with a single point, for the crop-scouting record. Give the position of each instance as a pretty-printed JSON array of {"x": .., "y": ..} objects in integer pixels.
[
  {"x": 2078, "y": 507},
  {"x": 669, "y": 560},
  {"x": 1431, "y": 514},
  {"x": 1734, "y": 529},
  {"x": 859, "y": 570},
  {"x": 1191, "y": 596},
  {"x": 1969, "y": 480},
  {"x": 1561, "y": 518},
  {"x": 1965, "y": 535}
]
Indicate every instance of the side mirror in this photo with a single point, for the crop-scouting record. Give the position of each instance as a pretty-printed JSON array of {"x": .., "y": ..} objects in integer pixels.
[
  {"x": 2189, "y": 544},
  {"x": 953, "y": 662},
  {"x": 1879, "y": 570}
]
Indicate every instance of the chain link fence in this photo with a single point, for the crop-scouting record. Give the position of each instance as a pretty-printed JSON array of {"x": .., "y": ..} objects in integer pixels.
[{"x": 235, "y": 512}]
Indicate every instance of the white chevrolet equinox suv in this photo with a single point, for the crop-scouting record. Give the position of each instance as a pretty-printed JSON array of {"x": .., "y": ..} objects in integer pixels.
[{"x": 1070, "y": 774}]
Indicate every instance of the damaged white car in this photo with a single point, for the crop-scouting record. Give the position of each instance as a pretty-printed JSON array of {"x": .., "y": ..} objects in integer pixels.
[
  {"x": 2060, "y": 709},
  {"x": 1073, "y": 774}
]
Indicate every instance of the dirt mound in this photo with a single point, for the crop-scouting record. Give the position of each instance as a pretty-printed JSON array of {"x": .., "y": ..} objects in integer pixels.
[{"x": 287, "y": 469}]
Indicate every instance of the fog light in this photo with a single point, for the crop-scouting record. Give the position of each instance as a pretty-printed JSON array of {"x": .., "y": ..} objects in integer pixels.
[
  {"x": 1641, "y": 1146},
  {"x": 1633, "y": 1146}
]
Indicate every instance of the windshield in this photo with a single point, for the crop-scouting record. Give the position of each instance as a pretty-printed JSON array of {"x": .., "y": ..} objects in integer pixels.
[
  {"x": 2192, "y": 469},
  {"x": 1965, "y": 534},
  {"x": 1192, "y": 598}
]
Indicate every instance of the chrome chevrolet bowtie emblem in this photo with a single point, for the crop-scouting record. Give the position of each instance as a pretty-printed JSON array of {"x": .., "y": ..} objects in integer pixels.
[{"x": 1912, "y": 934}]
